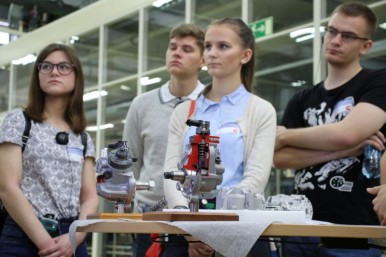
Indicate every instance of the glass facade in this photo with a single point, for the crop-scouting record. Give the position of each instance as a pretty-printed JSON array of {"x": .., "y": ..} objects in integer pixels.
[
  {"x": 21, "y": 77},
  {"x": 120, "y": 57},
  {"x": 86, "y": 45},
  {"x": 158, "y": 24},
  {"x": 122, "y": 48},
  {"x": 297, "y": 12},
  {"x": 4, "y": 90},
  {"x": 206, "y": 11}
]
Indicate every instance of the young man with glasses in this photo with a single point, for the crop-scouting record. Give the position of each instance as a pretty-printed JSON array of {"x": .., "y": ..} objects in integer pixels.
[
  {"x": 147, "y": 121},
  {"x": 324, "y": 129}
]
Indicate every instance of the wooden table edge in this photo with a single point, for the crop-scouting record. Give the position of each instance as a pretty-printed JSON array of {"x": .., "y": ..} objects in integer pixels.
[{"x": 275, "y": 229}]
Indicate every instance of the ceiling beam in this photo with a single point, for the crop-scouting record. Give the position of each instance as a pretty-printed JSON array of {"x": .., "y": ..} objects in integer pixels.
[{"x": 76, "y": 23}]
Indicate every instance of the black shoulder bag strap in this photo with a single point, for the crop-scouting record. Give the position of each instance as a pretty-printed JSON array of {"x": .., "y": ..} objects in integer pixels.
[
  {"x": 24, "y": 139},
  {"x": 27, "y": 128},
  {"x": 83, "y": 137}
]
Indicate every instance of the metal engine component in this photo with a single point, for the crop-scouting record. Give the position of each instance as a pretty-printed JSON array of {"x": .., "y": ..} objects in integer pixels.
[{"x": 115, "y": 180}]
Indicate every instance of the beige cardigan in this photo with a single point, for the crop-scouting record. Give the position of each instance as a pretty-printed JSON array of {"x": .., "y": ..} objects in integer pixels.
[{"x": 258, "y": 125}]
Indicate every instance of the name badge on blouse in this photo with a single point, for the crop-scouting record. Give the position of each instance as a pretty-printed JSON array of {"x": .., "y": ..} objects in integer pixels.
[
  {"x": 229, "y": 130},
  {"x": 75, "y": 154}
]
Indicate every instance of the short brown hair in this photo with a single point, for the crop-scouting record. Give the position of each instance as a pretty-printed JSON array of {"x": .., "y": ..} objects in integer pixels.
[
  {"x": 74, "y": 113},
  {"x": 192, "y": 30},
  {"x": 355, "y": 9}
]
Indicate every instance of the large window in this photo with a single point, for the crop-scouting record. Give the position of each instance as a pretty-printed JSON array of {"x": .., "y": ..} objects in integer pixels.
[
  {"x": 376, "y": 58},
  {"x": 4, "y": 89},
  {"x": 21, "y": 76},
  {"x": 284, "y": 67},
  {"x": 122, "y": 48},
  {"x": 86, "y": 46},
  {"x": 117, "y": 103},
  {"x": 285, "y": 14},
  {"x": 158, "y": 24},
  {"x": 206, "y": 11}
]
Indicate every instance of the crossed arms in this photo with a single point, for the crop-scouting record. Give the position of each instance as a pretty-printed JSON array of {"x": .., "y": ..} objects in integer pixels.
[{"x": 303, "y": 147}]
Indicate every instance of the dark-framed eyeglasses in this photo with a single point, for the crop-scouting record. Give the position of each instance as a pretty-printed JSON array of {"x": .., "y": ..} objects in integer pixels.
[
  {"x": 346, "y": 36},
  {"x": 64, "y": 68}
]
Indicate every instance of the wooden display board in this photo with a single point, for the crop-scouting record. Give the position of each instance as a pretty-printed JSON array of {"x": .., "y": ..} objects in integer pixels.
[
  {"x": 189, "y": 216},
  {"x": 106, "y": 215},
  {"x": 168, "y": 216}
]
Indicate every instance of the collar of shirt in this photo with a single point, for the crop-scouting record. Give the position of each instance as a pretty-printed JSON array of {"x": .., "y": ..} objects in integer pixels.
[
  {"x": 166, "y": 96},
  {"x": 231, "y": 99}
]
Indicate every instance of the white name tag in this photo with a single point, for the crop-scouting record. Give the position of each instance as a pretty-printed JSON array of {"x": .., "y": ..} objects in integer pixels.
[
  {"x": 229, "y": 130},
  {"x": 75, "y": 154}
]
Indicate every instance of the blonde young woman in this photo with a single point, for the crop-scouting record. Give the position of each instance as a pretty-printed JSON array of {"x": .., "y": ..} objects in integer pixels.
[{"x": 245, "y": 122}]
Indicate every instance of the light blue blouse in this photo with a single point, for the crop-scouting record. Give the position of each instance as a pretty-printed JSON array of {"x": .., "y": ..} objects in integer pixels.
[{"x": 223, "y": 117}]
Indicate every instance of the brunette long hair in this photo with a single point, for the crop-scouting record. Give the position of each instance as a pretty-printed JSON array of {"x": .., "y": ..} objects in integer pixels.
[{"x": 74, "y": 114}]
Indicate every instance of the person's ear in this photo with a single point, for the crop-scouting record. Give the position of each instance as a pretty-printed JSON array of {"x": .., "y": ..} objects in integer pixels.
[
  {"x": 366, "y": 47},
  {"x": 246, "y": 56}
]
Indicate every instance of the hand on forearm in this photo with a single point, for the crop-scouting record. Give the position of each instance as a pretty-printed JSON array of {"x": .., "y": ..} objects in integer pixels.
[
  {"x": 62, "y": 247},
  {"x": 377, "y": 140},
  {"x": 280, "y": 131},
  {"x": 379, "y": 202}
]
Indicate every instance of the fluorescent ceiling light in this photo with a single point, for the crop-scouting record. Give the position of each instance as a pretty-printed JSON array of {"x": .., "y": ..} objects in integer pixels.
[
  {"x": 304, "y": 38},
  {"x": 159, "y": 3},
  {"x": 74, "y": 39},
  {"x": 4, "y": 38},
  {"x": 303, "y": 31},
  {"x": 124, "y": 87},
  {"x": 101, "y": 127},
  {"x": 25, "y": 60},
  {"x": 145, "y": 81},
  {"x": 94, "y": 95},
  {"x": 4, "y": 23},
  {"x": 382, "y": 25},
  {"x": 303, "y": 34},
  {"x": 298, "y": 83}
]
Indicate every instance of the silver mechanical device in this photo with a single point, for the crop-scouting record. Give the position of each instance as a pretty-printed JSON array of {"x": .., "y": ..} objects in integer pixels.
[{"x": 115, "y": 180}]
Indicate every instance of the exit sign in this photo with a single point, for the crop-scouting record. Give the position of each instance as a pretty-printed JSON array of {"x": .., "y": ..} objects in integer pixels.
[{"x": 262, "y": 27}]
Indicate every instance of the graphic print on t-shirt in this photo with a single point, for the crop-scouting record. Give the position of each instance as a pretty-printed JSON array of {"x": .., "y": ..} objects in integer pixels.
[{"x": 330, "y": 173}]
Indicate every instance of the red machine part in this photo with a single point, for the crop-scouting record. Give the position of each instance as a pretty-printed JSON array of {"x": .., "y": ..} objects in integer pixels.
[{"x": 199, "y": 157}]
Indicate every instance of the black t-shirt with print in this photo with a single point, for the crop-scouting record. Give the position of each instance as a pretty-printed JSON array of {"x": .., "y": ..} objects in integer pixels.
[{"x": 337, "y": 189}]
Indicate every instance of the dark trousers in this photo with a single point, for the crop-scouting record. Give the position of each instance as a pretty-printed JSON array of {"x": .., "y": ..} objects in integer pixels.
[
  {"x": 178, "y": 246},
  {"x": 310, "y": 247},
  {"x": 175, "y": 246},
  {"x": 15, "y": 243},
  {"x": 141, "y": 243}
]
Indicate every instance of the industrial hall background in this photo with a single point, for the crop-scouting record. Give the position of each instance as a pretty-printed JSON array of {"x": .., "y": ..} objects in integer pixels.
[{"x": 122, "y": 44}]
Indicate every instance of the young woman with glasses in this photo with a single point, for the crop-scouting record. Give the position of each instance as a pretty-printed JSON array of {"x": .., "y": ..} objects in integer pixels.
[{"x": 51, "y": 183}]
